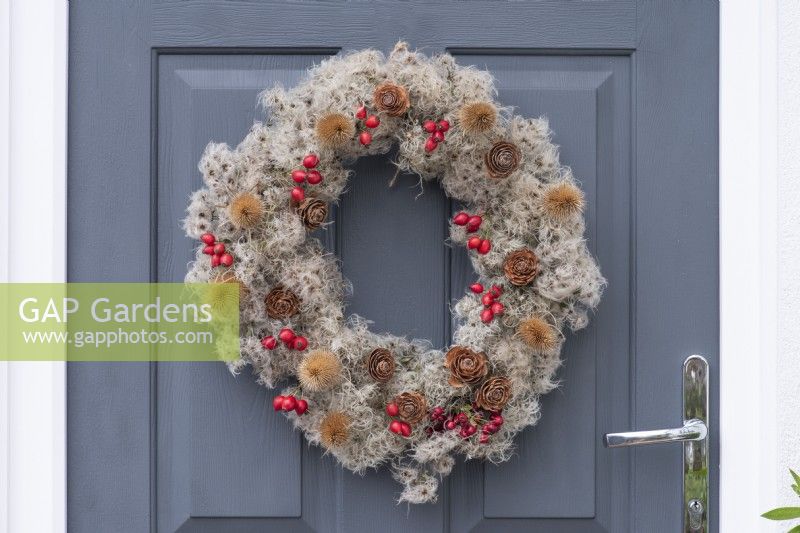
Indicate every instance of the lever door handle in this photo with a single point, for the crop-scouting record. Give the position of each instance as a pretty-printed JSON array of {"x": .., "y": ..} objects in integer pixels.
[
  {"x": 694, "y": 435},
  {"x": 692, "y": 430}
]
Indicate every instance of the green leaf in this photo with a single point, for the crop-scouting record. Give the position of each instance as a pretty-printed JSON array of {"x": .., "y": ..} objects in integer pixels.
[
  {"x": 796, "y": 485},
  {"x": 782, "y": 513},
  {"x": 795, "y": 529}
]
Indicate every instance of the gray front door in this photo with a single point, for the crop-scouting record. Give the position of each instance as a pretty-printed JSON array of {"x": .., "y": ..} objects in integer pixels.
[{"x": 630, "y": 89}]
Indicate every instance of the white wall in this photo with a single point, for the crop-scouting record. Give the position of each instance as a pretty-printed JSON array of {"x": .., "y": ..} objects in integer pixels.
[{"x": 788, "y": 331}]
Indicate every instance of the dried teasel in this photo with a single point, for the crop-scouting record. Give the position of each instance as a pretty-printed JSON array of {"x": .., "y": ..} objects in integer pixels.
[
  {"x": 537, "y": 333},
  {"x": 391, "y": 99},
  {"x": 229, "y": 276},
  {"x": 246, "y": 210},
  {"x": 477, "y": 117},
  {"x": 320, "y": 370},
  {"x": 521, "y": 267},
  {"x": 335, "y": 129},
  {"x": 334, "y": 430},
  {"x": 380, "y": 365},
  {"x": 563, "y": 200},
  {"x": 502, "y": 159}
]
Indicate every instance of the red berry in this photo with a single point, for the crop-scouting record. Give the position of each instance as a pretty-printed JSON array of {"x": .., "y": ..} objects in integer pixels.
[
  {"x": 395, "y": 426},
  {"x": 314, "y": 177},
  {"x": 219, "y": 248},
  {"x": 365, "y": 138},
  {"x": 460, "y": 219},
  {"x": 484, "y": 247},
  {"x": 477, "y": 288},
  {"x": 498, "y": 289},
  {"x": 462, "y": 418},
  {"x": 487, "y": 299},
  {"x": 473, "y": 242},
  {"x": 450, "y": 424},
  {"x": 498, "y": 308},
  {"x": 208, "y": 238},
  {"x": 405, "y": 429},
  {"x": 483, "y": 439},
  {"x": 487, "y": 315},
  {"x": 215, "y": 261},
  {"x": 286, "y": 335},
  {"x": 372, "y": 122},
  {"x": 444, "y": 125},
  {"x": 470, "y": 429},
  {"x": 430, "y": 145},
  {"x": 301, "y": 407},
  {"x": 277, "y": 403},
  {"x": 437, "y": 411},
  {"x": 474, "y": 223},
  {"x": 362, "y": 112},
  {"x": 310, "y": 161},
  {"x": 429, "y": 126},
  {"x": 298, "y": 194},
  {"x": 438, "y": 135},
  {"x": 497, "y": 420},
  {"x": 209, "y": 250},
  {"x": 392, "y": 409},
  {"x": 269, "y": 342},
  {"x": 300, "y": 343},
  {"x": 226, "y": 260},
  {"x": 289, "y": 403},
  {"x": 298, "y": 176}
]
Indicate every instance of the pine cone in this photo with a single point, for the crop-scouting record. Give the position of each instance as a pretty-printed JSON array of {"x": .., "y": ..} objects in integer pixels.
[
  {"x": 413, "y": 406},
  {"x": 282, "y": 303},
  {"x": 380, "y": 365},
  {"x": 521, "y": 267},
  {"x": 466, "y": 366},
  {"x": 391, "y": 99},
  {"x": 493, "y": 394},
  {"x": 312, "y": 212},
  {"x": 502, "y": 159}
]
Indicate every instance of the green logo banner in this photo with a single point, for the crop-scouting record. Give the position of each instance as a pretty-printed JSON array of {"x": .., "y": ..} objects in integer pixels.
[{"x": 119, "y": 321}]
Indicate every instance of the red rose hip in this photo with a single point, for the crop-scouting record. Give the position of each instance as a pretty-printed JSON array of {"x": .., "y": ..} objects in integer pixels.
[
  {"x": 431, "y": 144},
  {"x": 395, "y": 426},
  {"x": 269, "y": 342},
  {"x": 298, "y": 194},
  {"x": 362, "y": 112},
  {"x": 487, "y": 315},
  {"x": 392, "y": 409},
  {"x": 473, "y": 243},
  {"x": 365, "y": 138},
  {"x": 498, "y": 308},
  {"x": 277, "y": 403},
  {"x": 444, "y": 125},
  {"x": 461, "y": 219},
  {"x": 477, "y": 288},
  {"x": 215, "y": 261},
  {"x": 208, "y": 250},
  {"x": 405, "y": 429},
  {"x": 314, "y": 177},
  {"x": 484, "y": 247},
  {"x": 487, "y": 299},
  {"x": 310, "y": 161},
  {"x": 289, "y": 403},
  {"x": 372, "y": 122},
  {"x": 286, "y": 335},
  {"x": 301, "y": 407},
  {"x": 300, "y": 343},
  {"x": 226, "y": 260},
  {"x": 298, "y": 176}
]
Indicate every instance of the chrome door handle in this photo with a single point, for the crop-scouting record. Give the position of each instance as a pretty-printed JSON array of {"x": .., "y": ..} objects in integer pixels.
[
  {"x": 694, "y": 435},
  {"x": 690, "y": 431}
]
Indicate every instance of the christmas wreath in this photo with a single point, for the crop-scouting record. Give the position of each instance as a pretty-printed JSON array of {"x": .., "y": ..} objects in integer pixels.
[{"x": 371, "y": 399}]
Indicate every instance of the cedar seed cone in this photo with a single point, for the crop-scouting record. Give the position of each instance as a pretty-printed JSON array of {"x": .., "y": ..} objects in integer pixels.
[
  {"x": 282, "y": 303},
  {"x": 466, "y": 366},
  {"x": 391, "y": 99},
  {"x": 381, "y": 365},
  {"x": 413, "y": 406},
  {"x": 494, "y": 394},
  {"x": 312, "y": 212},
  {"x": 521, "y": 266},
  {"x": 502, "y": 159}
]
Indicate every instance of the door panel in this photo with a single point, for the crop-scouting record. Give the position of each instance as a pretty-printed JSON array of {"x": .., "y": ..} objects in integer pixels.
[{"x": 630, "y": 92}]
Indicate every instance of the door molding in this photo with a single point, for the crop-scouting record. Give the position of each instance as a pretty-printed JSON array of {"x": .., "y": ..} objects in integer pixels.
[
  {"x": 33, "y": 115},
  {"x": 748, "y": 263},
  {"x": 748, "y": 278}
]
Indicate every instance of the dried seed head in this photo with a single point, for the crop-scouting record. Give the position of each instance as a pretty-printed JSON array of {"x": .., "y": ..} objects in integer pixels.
[
  {"x": 334, "y": 429},
  {"x": 320, "y": 370},
  {"x": 537, "y": 334},
  {"x": 563, "y": 200},
  {"x": 246, "y": 210},
  {"x": 335, "y": 130},
  {"x": 477, "y": 117}
]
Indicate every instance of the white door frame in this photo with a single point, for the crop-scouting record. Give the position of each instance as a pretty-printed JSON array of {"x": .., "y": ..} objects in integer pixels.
[{"x": 33, "y": 57}]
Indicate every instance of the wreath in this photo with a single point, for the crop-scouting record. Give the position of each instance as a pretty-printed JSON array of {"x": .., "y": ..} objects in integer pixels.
[{"x": 371, "y": 399}]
